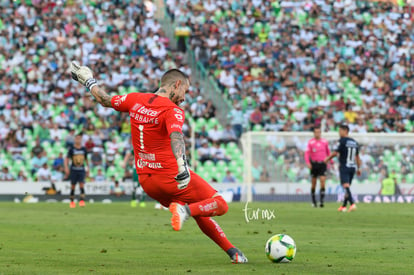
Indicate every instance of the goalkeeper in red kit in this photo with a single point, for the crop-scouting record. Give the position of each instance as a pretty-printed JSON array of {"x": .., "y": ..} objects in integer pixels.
[{"x": 159, "y": 149}]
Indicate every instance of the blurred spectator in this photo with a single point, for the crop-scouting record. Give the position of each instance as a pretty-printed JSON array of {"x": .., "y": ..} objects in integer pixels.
[
  {"x": 198, "y": 108},
  {"x": 21, "y": 176},
  {"x": 62, "y": 121},
  {"x": 350, "y": 115},
  {"x": 229, "y": 178},
  {"x": 37, "y": 162},
  {"x": 272, "y": 124},
  {"x": 97, "y": 138},
  {"x": 16, "y": 151},
  {"x": 112, "y": 145},
  {"x": 203, "y": 132},
  {"x": 256, "y": 171},
  {"x": 228, "y": 135},
  {"x": 96, "y": 157},
  {"x": 210, "y": 110},
  {"x": 256, "y": 118},
  {"x": 110, "y": 158},
  {"x": 308, "y": 122},
  {"x": 37, "y": 149},
  {"x": 236, "y": 119},
  {"x": 389, "y": 186},
  {"x": 99, "y": 175},
  {"x": 43, "y": 173},
  {"x": 217, "y": 153},
  {"x": 57, "y": 174},
  {"x": 204, "y": 152},
  {"x": 360, "y": 127},
  {"x": 116, "y": 189},
  {"x": 26, "y": 118},
  {"x": 215, "y": 135},
  {"x": 43, "y": 132},
  {"x": 5, "y": 175},
  {"x": 70, "y": 138},
  {"x": 264, "y": 175},
  {"x": 89, "y": 145},
  {"x": 303, "y": 173},
  {"x": 55, "y": 132},
  {"x": 58, "y": 161},
  {"x": 21, "y": 138}
]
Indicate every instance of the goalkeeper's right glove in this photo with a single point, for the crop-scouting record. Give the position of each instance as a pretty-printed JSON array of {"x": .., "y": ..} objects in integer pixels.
[
  {"x": 83, "y": 75},
  {"x": 183, "y": 177}
]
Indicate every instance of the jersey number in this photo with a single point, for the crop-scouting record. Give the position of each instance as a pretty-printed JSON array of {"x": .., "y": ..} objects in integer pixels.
[
  {"x": 141, "y": 136},
  {"x": 350, "y": 160}
]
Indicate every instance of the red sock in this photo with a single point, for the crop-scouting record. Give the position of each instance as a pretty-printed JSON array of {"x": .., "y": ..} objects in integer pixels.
[
  {"x": 215, "y": 206},
  {"x": 211, "y": 228}
]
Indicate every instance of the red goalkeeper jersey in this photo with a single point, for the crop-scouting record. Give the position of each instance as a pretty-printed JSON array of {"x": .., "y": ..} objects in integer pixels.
[{"x": 153, "y": 118}]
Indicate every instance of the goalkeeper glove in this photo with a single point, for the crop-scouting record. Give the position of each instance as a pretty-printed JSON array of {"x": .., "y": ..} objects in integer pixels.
[
  {"x": 83, "y": 75},
  {"x": 183, "y": 177}
]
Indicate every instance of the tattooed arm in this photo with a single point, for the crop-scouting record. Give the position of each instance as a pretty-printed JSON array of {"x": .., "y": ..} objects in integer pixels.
[
  {"x": 101, "y": 96},
  {"x": 177, "y": 145},
  {"x": 178, "y": 149}
]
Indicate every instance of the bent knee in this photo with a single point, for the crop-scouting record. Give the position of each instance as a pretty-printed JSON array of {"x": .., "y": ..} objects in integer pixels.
[{"x": 222, "y": 206}]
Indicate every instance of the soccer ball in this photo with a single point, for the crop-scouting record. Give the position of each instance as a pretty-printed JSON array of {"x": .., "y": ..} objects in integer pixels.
[{"x": 280, "y": 248}]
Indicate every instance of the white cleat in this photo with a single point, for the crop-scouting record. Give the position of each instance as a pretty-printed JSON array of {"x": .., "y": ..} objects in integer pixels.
[
  {"x": 179, "y": 215},
  {"x": 237, "y": 256}
]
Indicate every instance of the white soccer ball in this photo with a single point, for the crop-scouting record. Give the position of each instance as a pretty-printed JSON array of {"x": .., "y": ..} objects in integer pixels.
[{"x": 280, "y": 248}]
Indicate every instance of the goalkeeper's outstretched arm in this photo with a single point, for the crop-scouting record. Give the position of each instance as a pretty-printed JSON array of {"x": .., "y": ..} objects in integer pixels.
[
  {"x": 84, "y": 76},
  {"x": 101, "y": 96}
]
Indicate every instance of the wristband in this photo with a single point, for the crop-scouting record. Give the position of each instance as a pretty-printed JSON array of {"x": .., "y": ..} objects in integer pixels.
[{"x": 90, "y": 83}]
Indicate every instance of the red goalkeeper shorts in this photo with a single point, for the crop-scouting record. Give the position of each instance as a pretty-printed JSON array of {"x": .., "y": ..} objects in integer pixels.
[{"x": 163, "y": 188}]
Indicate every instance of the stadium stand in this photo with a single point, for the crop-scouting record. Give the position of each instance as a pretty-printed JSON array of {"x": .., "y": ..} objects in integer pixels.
[
  {"x": 287, "y": 65},
  {"x": 290, "y": 58},
  {"x": 330, "y": 70},
  {"x": 41, "y": 108}
]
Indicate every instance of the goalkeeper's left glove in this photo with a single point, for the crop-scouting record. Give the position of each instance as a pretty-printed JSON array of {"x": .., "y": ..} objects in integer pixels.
[
  {"x": 183, "y": 177},
  {"x": 83, "y": 75}
]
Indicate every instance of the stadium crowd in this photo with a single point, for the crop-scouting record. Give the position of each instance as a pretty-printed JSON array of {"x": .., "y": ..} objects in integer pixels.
[
  {"x": 286, "y": 65},
  {"x": 41, "y": 108},
  {"x": 289, "y": 65},
  {"x": 282, "y": 65}
]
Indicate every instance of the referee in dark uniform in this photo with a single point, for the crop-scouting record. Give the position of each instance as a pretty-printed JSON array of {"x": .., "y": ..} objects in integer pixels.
[{"x": 349, "y": 164}]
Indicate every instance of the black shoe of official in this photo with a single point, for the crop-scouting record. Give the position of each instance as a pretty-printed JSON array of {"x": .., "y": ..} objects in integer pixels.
[{"x": 321, "y": 205}]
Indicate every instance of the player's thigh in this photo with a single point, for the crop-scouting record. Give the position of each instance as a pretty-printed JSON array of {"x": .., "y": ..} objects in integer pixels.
[
  {"x": 81, "y": 177},
  {"x": 351, "y": 176},
  {"x": 162, "y": 188},
  {"x": 74, "y": 178},
  {"x": 346, "y": 176},
  {"x": 314, "y": 170},
  {"x": 198, "y": 189},
  {"x": 323, "y": 169}
]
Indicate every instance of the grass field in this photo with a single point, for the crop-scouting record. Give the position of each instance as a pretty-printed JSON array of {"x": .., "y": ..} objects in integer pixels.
[{"x": 117, "y": 239}]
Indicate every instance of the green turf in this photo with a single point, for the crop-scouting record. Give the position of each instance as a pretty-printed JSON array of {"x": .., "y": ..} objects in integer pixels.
[{"x": 117, "y": 239}]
